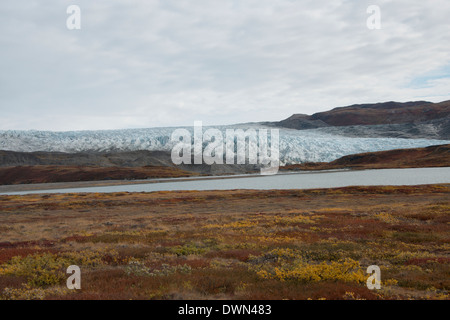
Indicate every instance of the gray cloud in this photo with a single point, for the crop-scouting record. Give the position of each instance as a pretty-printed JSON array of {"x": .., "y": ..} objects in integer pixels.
[{"x": 166, "y": 63}]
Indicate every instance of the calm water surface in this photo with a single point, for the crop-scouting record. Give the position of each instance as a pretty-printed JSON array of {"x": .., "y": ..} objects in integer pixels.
[{"x": 303, "y": 180}]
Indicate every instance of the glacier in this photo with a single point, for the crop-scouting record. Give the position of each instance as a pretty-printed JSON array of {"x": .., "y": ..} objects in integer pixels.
[{"x": 296, "y": 146}]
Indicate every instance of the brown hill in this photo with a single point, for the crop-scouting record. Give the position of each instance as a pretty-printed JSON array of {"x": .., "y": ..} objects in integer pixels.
[
  {"x": 434, "y": 156},
  {"x": 122, "y": 159},
  {"x": 371, "y": 114},
  {"x": 48, "y": 174}
]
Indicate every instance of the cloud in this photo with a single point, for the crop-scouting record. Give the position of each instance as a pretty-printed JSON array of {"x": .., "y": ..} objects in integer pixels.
[{"x": 167, "y": 63}]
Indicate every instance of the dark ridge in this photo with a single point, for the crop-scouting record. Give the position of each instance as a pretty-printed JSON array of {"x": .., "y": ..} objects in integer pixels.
[{"x": 387, "y": 113}]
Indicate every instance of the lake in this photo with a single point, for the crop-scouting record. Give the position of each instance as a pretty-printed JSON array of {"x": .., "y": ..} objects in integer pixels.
[{"x": 300, "y": 180}]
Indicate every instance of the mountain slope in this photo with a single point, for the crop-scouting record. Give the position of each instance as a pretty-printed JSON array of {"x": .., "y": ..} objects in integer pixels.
[
  {"x": 51, "y": 174},
  {"x": 433, "y": 156},
  {"x": 419, "y": 119}
]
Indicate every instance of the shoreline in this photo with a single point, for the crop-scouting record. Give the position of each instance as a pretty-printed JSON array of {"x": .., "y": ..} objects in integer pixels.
[
  {"x": 44, "y": 176},
  {"x": 111, "y": 183},
  {"x": 81, "y": 186}
]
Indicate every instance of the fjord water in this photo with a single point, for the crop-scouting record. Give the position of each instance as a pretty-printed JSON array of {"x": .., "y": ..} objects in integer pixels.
[{"x": 302, "y": 180}]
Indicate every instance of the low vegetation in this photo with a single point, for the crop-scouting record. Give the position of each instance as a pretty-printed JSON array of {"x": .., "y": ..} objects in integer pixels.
[{"x": 242, "y": 244}]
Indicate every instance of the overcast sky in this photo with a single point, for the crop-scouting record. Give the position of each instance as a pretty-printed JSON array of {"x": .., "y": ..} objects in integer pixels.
[{"x": 137, "y": 64}]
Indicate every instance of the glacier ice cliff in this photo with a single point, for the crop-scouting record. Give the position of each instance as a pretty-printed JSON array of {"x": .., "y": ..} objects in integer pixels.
[{"x": 296, "y": 146}]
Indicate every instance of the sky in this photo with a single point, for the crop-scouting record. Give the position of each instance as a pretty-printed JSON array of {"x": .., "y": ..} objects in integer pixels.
[{"x": 155, "y": 63}]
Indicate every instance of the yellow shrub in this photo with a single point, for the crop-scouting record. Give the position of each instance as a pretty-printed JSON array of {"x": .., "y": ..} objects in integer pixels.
[
  {"x": 40, "y": 270},
  {"x": 29, "y": 293},
  {"x": 300, "y": 219},
  {"x": 387, "y": 218},
  {"x": 89, "y": 258},
  {"x": 345, "y": 270}
]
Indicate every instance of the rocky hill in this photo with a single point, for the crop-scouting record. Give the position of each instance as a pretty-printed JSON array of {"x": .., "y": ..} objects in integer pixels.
[
  {"x": 433, "y": 156},
  {"x": 418, "y": 119}
]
